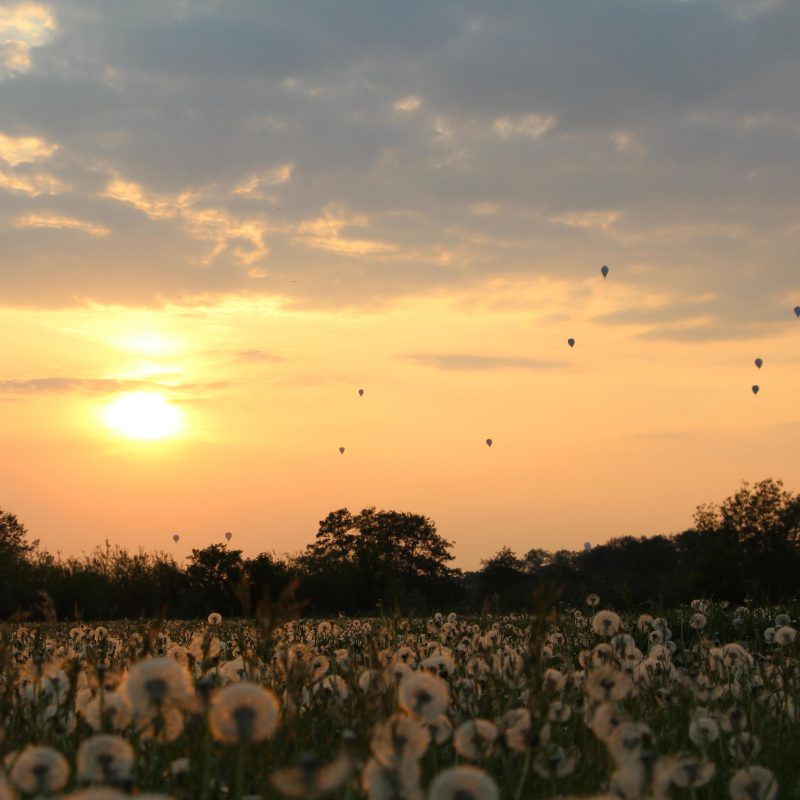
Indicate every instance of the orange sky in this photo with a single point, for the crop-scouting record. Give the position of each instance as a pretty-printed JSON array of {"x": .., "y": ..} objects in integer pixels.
[{"x": 249, "y": 217}]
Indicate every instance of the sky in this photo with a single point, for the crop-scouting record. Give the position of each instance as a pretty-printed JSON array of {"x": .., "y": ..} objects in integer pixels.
[{"x": 220, "y": 219}]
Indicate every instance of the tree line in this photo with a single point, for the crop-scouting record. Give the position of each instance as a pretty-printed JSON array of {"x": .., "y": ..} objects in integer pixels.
[{"x": 380, "y": 561}]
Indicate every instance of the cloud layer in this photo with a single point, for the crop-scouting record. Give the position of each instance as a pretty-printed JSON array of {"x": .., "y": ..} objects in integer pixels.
[{"x": 342, "y": 156}]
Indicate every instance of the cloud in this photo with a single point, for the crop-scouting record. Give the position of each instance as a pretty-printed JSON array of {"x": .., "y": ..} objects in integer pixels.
[
  {"x": 22, "y": 26},
  {"x": 32, "y": 185},
  {"x": 24, "y": 149},
  {"x": 251, "y": 186},
  {"x": 58, "y": 222},
  {"x": 325, "y": 233},
  {"x": 57, "y": 385},
  {"x": 466, "y": 361},
  {"x": 206, "y": 224},
  {"x": 532, "y": 126},
  {"x": 426, "y": 147}
]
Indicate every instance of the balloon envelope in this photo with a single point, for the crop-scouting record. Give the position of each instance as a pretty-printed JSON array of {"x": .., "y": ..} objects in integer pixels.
[
  {"x": 571, "y": 342},
  {"x": 489, "y": 442},
  {"x": 604, "y": 270},
  {"x": 360, "y": 392},
  {"x": 341, "y": 449},
  {"x": 175, "y": 538},
  {"x": 797, "y": 311},
  {"x": 759, "y": 362},
  {"x": 755, "y": 389}
]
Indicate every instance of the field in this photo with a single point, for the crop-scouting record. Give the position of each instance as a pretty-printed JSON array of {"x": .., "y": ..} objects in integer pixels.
[{"x": 700, "y": 703}]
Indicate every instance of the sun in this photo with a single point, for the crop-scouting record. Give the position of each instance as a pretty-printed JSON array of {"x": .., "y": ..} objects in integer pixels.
[{"x": 143, "y": 415}]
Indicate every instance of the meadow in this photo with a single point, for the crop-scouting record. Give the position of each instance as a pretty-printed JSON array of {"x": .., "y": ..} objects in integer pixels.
[{"x": 584, "y": 702}]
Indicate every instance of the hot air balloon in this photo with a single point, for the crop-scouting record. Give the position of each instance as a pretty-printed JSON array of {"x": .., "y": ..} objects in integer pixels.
[
  {"x": 176, "y": 538},
  {"x": 571, "y": 342},
  {"x": 360, "y": 392},
  {"x": 229, "y": 536},
  {"x": 489, "y": 442},
  {"x": 604, "y": 270},
  {"x": 797, "y": 311},
  {"x": 341, "y": 450},
  {"x": 759, "y": 362},
  {"x": 755, "y": 389}
]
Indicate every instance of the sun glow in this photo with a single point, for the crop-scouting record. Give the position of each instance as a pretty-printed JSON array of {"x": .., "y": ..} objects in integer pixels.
[{"x": 143, "y": 415}]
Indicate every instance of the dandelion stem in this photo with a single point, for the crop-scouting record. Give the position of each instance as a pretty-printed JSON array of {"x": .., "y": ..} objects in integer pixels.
[{"x": 523, "y": 779}]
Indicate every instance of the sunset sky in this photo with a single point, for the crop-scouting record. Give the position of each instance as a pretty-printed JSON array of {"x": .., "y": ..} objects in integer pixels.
[{"x": 221, "y": 218}]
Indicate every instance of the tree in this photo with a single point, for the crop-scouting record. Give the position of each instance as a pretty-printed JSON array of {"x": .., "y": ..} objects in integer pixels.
[
  {"x": 764, "y": 522},
  {"x": 389, "y": 556},
  {"x": 12, "y": 538},
  {"x": 215, "y": 574}
]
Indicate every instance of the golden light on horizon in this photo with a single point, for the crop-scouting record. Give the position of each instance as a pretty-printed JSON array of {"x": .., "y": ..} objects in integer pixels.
[{"x": 145, "y": 416}]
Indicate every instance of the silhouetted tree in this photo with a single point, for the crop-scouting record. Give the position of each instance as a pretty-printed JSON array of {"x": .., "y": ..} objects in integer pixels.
[
  {"x": 392, "y": 557},
  {"x": 215, "y": 576}
]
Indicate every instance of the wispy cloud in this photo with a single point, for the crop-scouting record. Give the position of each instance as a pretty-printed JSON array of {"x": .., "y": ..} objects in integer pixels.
[
  {"x": 23, "y": 26},
  {"x": 94, "y": 386},
  {"x": 59, "y": 222},
  {"x": 32, "y": 185},
  {"x": 24, "y": 149},
  {"x": 468, "y": 361}
]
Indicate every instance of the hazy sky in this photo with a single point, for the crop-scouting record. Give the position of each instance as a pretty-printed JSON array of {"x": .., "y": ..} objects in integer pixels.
[{"x": 246, "y": 211}]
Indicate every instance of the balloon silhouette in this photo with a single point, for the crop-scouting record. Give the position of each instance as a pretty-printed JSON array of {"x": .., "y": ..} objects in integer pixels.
[
  {"x": 341, "y": 450},
  {"x": 604, "y": 270},
  {"x": 176, "y": 538},
  {"x": 797, "y": 311},
  {"x": 489, "y": 442},
  {"x": 571, "y": 342},
  {"x": 755, "y": 389},
  {"x": 229, "y": 536},
  {"x": 759, "y": 362},
  {"x": 360, "y": 392}
]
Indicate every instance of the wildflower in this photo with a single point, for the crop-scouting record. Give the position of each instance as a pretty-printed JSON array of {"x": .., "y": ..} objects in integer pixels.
[
  {"x": 753, "y": 783},
  {"x": 244, "y": 712},
  {"x": 559, "y": 711},
  {"x": 630, "y": 741},
  {"x": 214, "y": 618},
  {"x": 606, "y": 684},
  {"x": 39, "y": 770},
  {"x": 606, "y": 623},
  {"x": 397, "y": 671},
  {"x": 593, "y": 600},
  {"x": 443, "y": 665},
  {"x": 744, "y": 746},
  {"x": 105, "y": 758},
  {"x": 6, "y": 792},
  {"x": 112, "y": 709},
  {"x": 555, "y": 763},
  {"x": 605, "y": 721},
  {"x": 311, "y": 777},
  {"x": 463, "y": 783},
  {"x": 164, "y": 726},
  {"x": 698, "y": 621},
  {"x": 703, "y": 731},
  {"x": 769, "y": 635},
  {"x": 369, "y": 680},
  {"x": 440, "y": 729},
  {"x": 399, "y": 738},
  {"x": 425, "y": 695},
  {"x": 385, "y": 783},
  {"x": 331, "y": 687},
  {"x": 644, "y": 623},
  {"x": 785, "y": 635},
  {"x": 691, "y": 773},
  {"x": 553, "y": 680},
  {"x": 156, "y": 682},
  {"x": 475, "y": 738}
]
